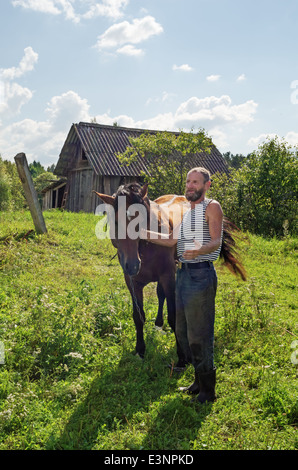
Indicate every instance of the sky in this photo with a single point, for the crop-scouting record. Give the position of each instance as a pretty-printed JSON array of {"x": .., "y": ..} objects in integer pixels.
[{"x": 230, "y": 67}]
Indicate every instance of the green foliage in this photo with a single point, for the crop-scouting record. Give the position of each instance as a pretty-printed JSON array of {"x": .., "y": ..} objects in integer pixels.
[
  {"x": 70, "y": 379},
  {"x": 42, "y": 181},
  {"x": 36, "y": 169},
  {"x": 234, "y": 161},
  {"x": 261, "y": 196},
  {"x": 169, "y": 158},
  {"x": 5, "y": 194},
  {"x": 11, "y": 191}
]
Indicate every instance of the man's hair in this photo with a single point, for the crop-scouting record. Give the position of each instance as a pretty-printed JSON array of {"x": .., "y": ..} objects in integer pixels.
[{"x": 206, "y": 173}]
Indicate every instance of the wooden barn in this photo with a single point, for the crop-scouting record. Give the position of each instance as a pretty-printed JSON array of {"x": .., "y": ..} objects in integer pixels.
[{"x": 88, "y": 162}]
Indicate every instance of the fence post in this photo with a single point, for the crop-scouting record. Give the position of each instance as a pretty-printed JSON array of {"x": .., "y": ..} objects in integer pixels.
[{"x": 30, "y": 193}]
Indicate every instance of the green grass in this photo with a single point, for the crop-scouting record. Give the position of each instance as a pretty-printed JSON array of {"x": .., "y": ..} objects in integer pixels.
[{"x": 70, "y": 379}]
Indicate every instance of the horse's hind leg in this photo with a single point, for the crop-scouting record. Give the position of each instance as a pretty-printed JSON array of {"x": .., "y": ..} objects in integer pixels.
[{"x": 161, "y": 299}]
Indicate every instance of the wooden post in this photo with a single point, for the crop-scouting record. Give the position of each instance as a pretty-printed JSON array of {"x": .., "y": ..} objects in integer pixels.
[{"x": 30, "y": 193}]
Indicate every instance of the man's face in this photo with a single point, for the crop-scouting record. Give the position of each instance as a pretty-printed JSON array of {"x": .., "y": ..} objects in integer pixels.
[{"x": 195, "y": 186}]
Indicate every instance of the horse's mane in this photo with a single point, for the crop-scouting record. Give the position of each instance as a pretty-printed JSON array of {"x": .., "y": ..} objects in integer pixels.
[{"x": 133, "y": 191}]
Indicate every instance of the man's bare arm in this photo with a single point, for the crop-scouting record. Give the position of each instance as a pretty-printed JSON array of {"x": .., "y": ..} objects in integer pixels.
[{"x": 163, "y": 239}]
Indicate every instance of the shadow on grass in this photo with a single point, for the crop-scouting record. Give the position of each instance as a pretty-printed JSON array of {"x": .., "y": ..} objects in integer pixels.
[{"x": 134, "y": 406}]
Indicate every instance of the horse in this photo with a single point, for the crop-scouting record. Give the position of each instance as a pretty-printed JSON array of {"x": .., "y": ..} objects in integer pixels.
[{"x": 143, "y": 262}]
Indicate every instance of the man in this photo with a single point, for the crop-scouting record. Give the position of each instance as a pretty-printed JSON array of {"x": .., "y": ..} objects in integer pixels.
[{"x": 198, "y": 239}]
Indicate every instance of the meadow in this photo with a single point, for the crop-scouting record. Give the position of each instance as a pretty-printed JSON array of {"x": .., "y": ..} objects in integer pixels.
[{"x": 69, "y": 378}]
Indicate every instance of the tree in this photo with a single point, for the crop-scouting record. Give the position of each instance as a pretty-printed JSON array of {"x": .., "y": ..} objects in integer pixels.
[
  {"x": 36, "y": 169},
  {"x": 51, "y": 168},
  {"x": 234, "y": 161},
  {"x": 5, "y": 193},
  {"x": 11, "y": 190},
  {"x": 261, "y": 196},
  {"x": 168, "y": 157}
]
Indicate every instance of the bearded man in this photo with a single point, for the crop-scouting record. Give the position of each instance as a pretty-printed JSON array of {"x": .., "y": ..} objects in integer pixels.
[{"x": 198, "y": 238}]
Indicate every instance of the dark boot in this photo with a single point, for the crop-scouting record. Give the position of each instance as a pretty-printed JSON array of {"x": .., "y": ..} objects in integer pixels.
[
  {"x": 207, "y": 387},
  {"x": 194, "y": 388}
]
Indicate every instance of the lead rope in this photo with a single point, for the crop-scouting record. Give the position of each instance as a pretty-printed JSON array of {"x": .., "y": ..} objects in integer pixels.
[{"x": 135, "y": 300}]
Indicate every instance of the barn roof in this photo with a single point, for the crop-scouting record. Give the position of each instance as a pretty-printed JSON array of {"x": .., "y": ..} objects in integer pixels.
[
  {"x": 54, "y": 184},
  {"x": 100, "y": 144}
]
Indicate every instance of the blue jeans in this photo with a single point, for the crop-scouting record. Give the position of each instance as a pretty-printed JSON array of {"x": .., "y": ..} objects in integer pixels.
[{"x": 195, "y": 315}]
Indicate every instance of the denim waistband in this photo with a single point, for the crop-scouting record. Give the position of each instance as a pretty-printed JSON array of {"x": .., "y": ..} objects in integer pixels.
[{"x": 203, "y": 264}]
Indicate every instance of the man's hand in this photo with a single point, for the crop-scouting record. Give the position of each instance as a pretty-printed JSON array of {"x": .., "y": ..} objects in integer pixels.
[{"x": 192, "y": 254}]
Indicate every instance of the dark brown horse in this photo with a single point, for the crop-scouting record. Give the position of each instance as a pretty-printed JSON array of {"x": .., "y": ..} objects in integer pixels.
[{"x": 144, "y": 262}]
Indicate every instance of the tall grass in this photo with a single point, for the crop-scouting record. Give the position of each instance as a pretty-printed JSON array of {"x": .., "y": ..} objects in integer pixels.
[{"x": 70, "y": 379}]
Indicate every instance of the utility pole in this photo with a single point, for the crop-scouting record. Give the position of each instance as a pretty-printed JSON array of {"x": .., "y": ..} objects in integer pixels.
[{"x": 30, "y": 193}]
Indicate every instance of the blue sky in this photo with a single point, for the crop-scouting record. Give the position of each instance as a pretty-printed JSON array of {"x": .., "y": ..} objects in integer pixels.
[{"x": 228, "y": 66}]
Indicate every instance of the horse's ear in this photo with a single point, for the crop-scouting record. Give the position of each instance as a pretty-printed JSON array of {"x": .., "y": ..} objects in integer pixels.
[
  {"x": 144, "y": 190},
  {"x": 105, "y": 198}
]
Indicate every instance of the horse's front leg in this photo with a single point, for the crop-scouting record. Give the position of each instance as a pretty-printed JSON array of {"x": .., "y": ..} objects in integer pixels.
[
  {"x": 136, "y": 292},
  {"x": 161, "y": 300}
]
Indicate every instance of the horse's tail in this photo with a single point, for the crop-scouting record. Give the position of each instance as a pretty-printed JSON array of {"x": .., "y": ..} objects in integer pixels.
[{"x": 228, "y": 250}]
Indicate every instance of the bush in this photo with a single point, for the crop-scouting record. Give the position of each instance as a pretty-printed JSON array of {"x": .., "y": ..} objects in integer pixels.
[
  {"x": 261, "y": 196},
  {"x": 11, "y": 191}
]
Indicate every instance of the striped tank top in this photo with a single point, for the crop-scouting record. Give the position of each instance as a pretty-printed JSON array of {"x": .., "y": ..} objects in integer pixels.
[{"x": 194, "y": 226}]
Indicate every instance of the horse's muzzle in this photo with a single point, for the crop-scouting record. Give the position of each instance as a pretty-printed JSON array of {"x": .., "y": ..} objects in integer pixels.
[{"x": 132, "y": 269}]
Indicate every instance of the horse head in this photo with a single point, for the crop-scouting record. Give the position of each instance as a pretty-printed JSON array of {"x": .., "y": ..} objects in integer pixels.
[{"x": 131, "y": 207}]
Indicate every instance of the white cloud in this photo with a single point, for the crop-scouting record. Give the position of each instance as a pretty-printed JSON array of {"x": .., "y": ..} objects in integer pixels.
[
  {"x": 68, "y": 9},
  {"x": 166, "y": 97},
  {"x": 291, "y": 138},
  {"x": 13, "y": 95},
  {"x": 213, "y": 111},
  {"x": 26, "y": 65},
  {"x": 183, "y": 67},
  {"x": 130, "y": 50},
  {"x": 109, "y": 8},
  {"x": 220, "y": 138},
  {"x": 88, "y": 8},
  {"x": 256, "y": 141},
  {"x": 241, "y": 78},
  {"x": 43, "y": 140},
  {"x": 137, "y": 31},
  {"x": 213, "y": 78},
  {"x": 66, "y": 109},
  {"x": 44, "y": 6}
]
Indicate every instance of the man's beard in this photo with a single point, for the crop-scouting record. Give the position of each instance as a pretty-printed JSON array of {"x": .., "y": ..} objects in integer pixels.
[{"x": 194, "y": 196}]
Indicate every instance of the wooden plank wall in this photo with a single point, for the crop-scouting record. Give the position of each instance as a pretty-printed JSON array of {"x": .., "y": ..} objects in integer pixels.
[{"x": 82, "y": 183}]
